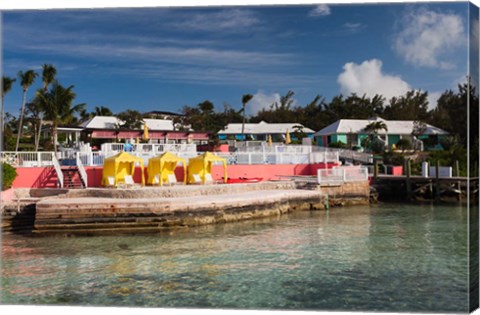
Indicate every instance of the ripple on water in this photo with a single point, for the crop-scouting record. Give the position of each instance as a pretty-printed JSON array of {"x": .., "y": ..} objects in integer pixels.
[{"x": 383, "y": 258}]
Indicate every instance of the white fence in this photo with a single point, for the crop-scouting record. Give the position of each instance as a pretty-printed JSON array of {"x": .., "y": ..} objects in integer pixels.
[
  {"x": 342, "y": 175},
  {"x": 349, "y": 154},
  {"x": 280, "y": 155},
  {"x": 154, "y": 148},
  {"x": 27, "y": 159}
]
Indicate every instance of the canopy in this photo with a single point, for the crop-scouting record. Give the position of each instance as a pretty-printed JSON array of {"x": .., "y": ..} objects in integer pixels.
[
  {"x": 118, "y": 166},
  {"x": 202, "y": 165},
  {"x": 164, "y": 165}
]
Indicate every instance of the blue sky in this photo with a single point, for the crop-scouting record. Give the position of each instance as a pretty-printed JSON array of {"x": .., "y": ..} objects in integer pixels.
[{"x": 165, "y": 58}]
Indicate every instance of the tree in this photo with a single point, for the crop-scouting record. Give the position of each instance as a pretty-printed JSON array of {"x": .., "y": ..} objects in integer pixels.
[
  {"x": 26, "y": 80},
  {"x": 130, "y": 119},
  {"x": 57, "y": 106},
  {"x": 372, "y": 140},
  {"x": 102, "y": 111},
  {"x": 404, "y": 144},
  {"x": 245, "y": 99},
  {"x": 411, "y": 106},
  {"x": 33, "y": 115},
  {"x": 48, "y": 77},
  {"x": 7, "y": 84},
  {"x": 375, "y": 127},
  {"x": 418, "y": 129}
]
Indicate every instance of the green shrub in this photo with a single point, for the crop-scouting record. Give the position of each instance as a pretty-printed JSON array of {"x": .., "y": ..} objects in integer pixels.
[
  {"x": 404, "y": 144},
  {"x": 337, "y": 144},
  {"x": 8, "y": 175}
]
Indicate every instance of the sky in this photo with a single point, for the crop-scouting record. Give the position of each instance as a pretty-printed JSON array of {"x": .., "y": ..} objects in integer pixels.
[{"x": 164, "y": 58}]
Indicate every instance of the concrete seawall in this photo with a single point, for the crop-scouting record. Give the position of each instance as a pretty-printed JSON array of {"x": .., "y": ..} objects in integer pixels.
[{"x": 156, "y": 209}]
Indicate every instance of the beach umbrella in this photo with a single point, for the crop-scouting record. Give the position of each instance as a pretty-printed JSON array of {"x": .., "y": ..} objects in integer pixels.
[
  {"x": 145, "y": 131},
  {"x": 287, "y": 138}
]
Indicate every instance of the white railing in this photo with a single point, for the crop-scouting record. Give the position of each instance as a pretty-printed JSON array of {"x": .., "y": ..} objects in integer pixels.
[
  {"x": 156, "y": 148},
  {"x": 58, "y": 170},
  {"x": 27, "y": 159},
  {"x": 81, "y": 170},
  {"x": 97, "y": 158},
  {"x": 342, "y": 174},
  {"x": 324, "y": 157},
  {"x": 349, "y": 154}
]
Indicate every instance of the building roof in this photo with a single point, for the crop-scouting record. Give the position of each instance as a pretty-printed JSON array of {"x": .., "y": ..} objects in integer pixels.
[
  {"x": 159, "y": 124},
  {"x": 262, "y": 128},
  {"x": 109, "y": 122},
  {"x": 101, "y": 122},
  {"x": 400, "y": 127}
]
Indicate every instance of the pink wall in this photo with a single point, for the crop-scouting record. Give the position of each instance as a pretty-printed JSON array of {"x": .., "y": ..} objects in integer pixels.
[
  {"x": 44, "y": 177},
  {"x": 35, "y": 177}
]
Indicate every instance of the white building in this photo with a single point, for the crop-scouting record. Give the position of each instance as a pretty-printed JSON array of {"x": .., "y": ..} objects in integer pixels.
[{"x": 261, "y": 131}]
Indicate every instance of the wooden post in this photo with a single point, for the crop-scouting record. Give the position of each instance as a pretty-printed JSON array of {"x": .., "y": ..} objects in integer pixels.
[
  {"x": 375, "y": 168},
  {"x": 459, "y": 186},
  {"x": 408, "y": 182},
  {"x": 437, "y": 181}
]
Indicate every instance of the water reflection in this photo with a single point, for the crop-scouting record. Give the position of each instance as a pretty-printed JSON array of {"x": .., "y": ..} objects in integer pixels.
[{"x": 387, "y": 258}]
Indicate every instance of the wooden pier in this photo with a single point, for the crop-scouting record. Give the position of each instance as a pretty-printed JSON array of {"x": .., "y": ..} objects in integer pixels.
[{"x": 430, "y": 188}]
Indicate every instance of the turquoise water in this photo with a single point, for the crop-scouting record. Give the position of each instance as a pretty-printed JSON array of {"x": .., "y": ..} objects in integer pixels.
[{"x": 379, "y": 258}]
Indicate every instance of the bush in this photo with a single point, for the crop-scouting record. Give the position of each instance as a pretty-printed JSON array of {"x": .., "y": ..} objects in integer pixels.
[
  {"x": 404, "y": 144},
  {"x": 8, "y": 176},
  {"x": 337, "y": 144},
  {"x": 377, "y": 147}
]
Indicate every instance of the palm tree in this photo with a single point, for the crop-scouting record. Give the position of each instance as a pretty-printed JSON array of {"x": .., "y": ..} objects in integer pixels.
[
  {"x": 102, "y": 111},
  {"x": 245, "y": 99},
  {"x": 26, "y": 80},
  {"x": 7, "y": 84},
  {"x": 48, "y": 76},
  {"x": 57, "y": 105},
  {"x": 375, "y": 127}
]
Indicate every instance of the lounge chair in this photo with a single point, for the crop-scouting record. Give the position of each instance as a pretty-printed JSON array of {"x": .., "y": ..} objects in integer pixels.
[
  {"x": 111, "y": 181},
  {"x": 209, "y": 179},
  {"x": 129, "y": 181},
  {"x": 172, "y": 179},
  {"x": 197, "y": 179}
]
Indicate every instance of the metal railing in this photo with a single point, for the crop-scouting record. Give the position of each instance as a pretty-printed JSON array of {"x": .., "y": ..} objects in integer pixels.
[
  {"x": 81, "y": 170},
  {"x": 58, "y": 170},
  {"x": 342, "y": 174}
]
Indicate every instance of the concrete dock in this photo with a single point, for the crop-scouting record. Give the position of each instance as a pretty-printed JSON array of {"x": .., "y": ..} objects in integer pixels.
[{"x": 156, "y": 209}]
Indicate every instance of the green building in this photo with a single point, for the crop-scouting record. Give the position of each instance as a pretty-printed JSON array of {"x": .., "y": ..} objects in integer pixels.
[{"x": 351, "y": 132}]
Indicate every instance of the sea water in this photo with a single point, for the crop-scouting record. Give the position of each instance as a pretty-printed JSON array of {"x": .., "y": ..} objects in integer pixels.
[{"x": 369, "y": 258}]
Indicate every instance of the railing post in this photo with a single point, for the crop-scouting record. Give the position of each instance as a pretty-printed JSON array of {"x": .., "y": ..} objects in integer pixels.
[{"x": 437, "y": 181}]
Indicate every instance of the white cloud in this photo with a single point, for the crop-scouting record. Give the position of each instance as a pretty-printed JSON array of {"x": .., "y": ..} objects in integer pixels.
[
  {"x": 261, "y": 101},
  {"x": 320, "y": 10},
  {"x": 367, "y": 78},
  {"x": 429, "y": 39},
  {"x": 433, "y": 98},
  {"x": 230, "y": 20}
]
